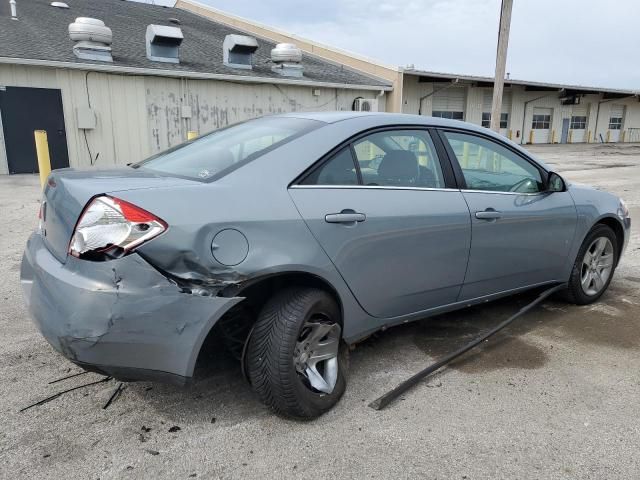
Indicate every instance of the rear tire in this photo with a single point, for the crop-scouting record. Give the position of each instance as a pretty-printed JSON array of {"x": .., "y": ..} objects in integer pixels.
[
  {"x": 296, "y": 342},
  {"x": 594, "y": 266}
]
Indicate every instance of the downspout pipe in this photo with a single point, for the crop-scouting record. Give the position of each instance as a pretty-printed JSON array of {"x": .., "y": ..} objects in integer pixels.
[
  {"x": 453, "y": 82},
  {"x": 14, "y": 13}
]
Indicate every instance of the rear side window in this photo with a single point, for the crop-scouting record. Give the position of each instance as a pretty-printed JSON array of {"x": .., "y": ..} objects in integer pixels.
[
  {"x": 338, "y": 170},
  {"x": 212, "y": 156},
  {"x": 403, "y": 158}
]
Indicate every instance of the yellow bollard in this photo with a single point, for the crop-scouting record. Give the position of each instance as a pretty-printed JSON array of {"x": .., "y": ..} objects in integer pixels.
[
  {"x": 622, "y": 136},
  {"x": 509, "y": 134},
  {"x": 191, "y": 134},
  {"x": 42, "y": 151},
  {"x": 589, "y": 136},
  {"x": 608, "y": 135},
  {"x": 570, "y": 135},
  {"x": 553, "y": 136},
  {"x": 531, "y": 136}
]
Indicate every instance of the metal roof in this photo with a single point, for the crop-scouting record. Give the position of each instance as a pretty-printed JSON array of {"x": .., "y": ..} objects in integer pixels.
[
  {"x": 40, "y": 37},
  {"x": 435, "y": 76}
]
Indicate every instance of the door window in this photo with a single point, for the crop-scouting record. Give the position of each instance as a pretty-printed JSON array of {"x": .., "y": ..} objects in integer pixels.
[
  {"x": 338, "y": 170},
  {"x": 403, "y": 158},
  {"x": 487, "y": 165},
  {"x": 541, "y": 122}
]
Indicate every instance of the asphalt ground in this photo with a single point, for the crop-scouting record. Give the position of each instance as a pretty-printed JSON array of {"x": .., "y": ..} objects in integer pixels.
[{"x": 554, "y": 396}]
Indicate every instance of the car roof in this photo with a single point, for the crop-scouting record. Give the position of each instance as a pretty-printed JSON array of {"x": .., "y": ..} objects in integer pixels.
[{"x": 385, "y": 119}]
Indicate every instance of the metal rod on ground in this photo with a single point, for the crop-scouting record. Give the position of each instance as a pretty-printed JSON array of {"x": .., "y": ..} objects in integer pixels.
[
  {"x": 42, "y": 151},
  {"x": 53, "y": 397},
  {"x": 67, "y": 377},
  {"x": 387, "y": 398},
  {"x": 116, "y": 393},
  {"x": 501, "y": 63}
]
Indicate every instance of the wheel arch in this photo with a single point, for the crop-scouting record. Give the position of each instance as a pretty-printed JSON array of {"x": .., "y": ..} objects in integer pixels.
[
  {"x": 255, "y": 292},
  {"x": 614, "y": 224}
]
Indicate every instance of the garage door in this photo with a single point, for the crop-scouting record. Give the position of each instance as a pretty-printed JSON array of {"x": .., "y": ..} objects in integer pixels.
[
  {"x": 487, "y": 103},
  {"x": 449, "y": 103},
  {"x": 541, "y": 125},
  {"x": 578, "y": 125},
  {"x": 615, "y": 122}
]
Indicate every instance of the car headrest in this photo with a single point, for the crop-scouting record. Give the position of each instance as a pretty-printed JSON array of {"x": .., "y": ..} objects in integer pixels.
[
  {"x": 399, "y": 165},
  {"x": 222, "y": 158}
]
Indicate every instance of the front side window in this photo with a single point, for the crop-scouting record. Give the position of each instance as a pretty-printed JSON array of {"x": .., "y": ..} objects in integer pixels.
[
  {"x": 448, "y": 114},
  {"x": 578, "y": 123},
  {"x": 486, "y": 120},
  {"x": 218, "y": 152},
  {"x": 404, "y": 158},
  {"x": 487, "y": 165},
  {"x": 541, "y": 122}
]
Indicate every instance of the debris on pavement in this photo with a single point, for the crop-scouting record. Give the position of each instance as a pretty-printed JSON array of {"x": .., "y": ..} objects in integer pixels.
[
  {"x": 116, "y": 393},
  {"x": 53, "y": 397}
]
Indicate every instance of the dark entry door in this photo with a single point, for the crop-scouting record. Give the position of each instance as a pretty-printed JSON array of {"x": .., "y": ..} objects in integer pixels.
[{"x": 24, "y": 110}]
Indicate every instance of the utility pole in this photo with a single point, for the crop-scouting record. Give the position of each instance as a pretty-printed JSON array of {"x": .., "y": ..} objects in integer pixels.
[{"x": 501, "y": 62}]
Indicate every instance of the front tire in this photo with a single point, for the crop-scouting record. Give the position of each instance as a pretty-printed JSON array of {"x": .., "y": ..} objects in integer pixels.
[
  {"x": 294, "y": 359},
  {"x": 594, "y": 266}
]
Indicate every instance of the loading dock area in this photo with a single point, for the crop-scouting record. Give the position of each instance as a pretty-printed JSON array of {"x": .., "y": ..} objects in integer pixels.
[{"x": 553, "y": 397}]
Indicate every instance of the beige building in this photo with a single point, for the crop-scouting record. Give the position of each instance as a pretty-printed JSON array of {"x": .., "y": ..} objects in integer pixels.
[
  {"x": 532, "y": 112},
  {"x": 154, "y": 75},
  {"x": 127, "y": 80}
]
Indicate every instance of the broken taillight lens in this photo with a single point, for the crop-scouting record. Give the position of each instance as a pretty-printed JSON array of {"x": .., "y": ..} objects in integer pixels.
[{"x": 113, "y": 227}]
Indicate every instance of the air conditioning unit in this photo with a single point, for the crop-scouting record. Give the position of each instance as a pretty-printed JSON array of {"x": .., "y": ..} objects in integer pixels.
[{"x": 365, "y": 105}]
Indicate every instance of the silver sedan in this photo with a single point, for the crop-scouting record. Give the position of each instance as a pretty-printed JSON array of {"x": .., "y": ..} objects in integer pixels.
[{"x": 289, "y": 237}]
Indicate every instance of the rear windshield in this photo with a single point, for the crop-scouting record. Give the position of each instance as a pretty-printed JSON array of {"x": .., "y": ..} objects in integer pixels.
[{"x": 218, "y": 153}]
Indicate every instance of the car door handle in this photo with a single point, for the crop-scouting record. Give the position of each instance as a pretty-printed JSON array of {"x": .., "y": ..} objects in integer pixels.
[
  {"x": 346, "y": 216},
  {"x": 488, "y": 214}
]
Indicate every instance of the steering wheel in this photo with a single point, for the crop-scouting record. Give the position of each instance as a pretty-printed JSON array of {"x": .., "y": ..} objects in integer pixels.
[{"x": 525, "y": 182}]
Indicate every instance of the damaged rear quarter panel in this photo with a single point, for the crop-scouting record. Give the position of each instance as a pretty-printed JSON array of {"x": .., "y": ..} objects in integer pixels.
[{"x": 117, "y": 313}]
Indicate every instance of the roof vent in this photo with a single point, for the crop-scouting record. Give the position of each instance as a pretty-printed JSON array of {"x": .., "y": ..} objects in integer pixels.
[
  {"x": 163, "y": 43},
  {"x": 238, "y": 50},
  {"x": 287, "y": 58},
  {"x": 59, "y": 5},
  {"x": 93, "y": 39}
]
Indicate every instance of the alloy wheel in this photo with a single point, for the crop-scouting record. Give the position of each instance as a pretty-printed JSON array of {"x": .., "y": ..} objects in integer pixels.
[
  {"x": 597, "y": 266},
  {"x": 316, "y": 354}
]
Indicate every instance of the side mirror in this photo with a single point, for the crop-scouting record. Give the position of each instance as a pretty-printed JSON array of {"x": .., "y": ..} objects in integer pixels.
[{"x": 555, "y": 183}]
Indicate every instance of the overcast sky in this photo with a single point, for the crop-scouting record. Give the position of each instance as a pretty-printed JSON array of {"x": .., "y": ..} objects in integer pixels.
[{"x": 584, "y": 42}]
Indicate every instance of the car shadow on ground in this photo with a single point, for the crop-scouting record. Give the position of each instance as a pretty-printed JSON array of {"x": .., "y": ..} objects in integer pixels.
[{"x": 526, "y": 344}]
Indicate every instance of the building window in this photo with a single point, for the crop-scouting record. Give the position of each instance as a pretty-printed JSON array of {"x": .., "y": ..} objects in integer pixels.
[
  {"x": 446, "y": 114},
  {"x": 541, "y": 122},
  {"x": 615, "y": 123},
  {"x": 578, "y": 123},
  {"x": 486, "y": 119}
]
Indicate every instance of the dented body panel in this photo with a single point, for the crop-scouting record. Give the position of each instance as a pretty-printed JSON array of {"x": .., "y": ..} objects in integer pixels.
[{"x": 119, "y": 315}]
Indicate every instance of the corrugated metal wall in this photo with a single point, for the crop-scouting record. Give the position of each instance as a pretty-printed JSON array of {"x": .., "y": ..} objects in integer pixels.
[
  {"x": 140, "y": 115},
  {"x": 517, "y": 99}
]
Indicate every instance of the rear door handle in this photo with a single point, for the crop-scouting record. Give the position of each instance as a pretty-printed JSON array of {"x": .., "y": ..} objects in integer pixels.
[
  {"x": 488, "y": 214},
  {"x": 346, "y": 216}
]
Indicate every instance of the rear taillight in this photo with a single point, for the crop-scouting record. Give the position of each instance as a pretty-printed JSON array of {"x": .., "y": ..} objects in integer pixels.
[{"x": 110, "y": 226}]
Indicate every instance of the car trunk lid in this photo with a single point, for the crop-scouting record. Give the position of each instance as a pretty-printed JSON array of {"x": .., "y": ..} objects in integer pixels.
[{"x": 68, "y": 191}]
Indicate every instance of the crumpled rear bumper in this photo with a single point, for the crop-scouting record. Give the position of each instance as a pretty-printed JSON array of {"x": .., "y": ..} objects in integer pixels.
[{"x": 120, "y": 317}]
